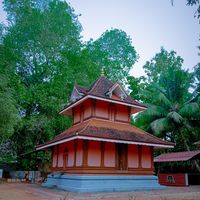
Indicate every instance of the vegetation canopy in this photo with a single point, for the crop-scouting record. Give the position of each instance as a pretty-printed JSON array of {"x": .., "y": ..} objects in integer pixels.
[{"x": 42, "y": 56}]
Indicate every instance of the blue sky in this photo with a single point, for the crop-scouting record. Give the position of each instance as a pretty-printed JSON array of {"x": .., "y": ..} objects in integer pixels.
[{"x": 150, "y": 24}]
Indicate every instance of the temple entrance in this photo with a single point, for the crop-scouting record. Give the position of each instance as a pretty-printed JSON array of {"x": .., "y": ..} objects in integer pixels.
[{"x": 122, "y": 156}]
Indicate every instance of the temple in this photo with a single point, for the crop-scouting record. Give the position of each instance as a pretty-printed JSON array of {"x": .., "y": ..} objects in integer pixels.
[{"x": 102, "y": 151}]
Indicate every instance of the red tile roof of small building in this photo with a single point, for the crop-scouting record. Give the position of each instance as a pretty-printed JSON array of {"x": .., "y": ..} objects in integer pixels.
[
  {"x": 197, "y": 143},
  {"x": 102, "y": 129},
  {"x": 177, "y": 156}
]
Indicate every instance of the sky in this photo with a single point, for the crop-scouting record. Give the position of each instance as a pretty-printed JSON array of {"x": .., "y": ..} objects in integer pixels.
[{"x": 150, "y": 23}]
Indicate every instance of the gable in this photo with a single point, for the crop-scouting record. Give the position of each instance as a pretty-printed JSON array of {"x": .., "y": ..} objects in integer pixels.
[
  {"x": 117, "y": 91},
  {"x": 75, "y": 95}
]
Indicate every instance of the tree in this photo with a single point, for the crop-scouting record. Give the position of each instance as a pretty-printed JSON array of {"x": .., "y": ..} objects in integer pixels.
[
  {"x": 192, "y": 3},
  {"x": 43, "y": 56},
  {"x": 44, "y": 41},
  {"x": 195, "y": 3},
  {"x": 171, "y": 114},
  {"x": 8, "y": 108},
  {"x": 113, "y": 51},
  {"x": 135, "y": 86},
  {"x": 197, "y": 78}
]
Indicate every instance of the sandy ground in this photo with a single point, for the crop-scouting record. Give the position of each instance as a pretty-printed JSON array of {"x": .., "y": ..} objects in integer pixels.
[{"x": 23, "y": 191}]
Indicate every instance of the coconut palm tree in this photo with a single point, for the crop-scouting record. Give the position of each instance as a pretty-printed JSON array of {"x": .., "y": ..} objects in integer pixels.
[{"x": 171, "y": 113}]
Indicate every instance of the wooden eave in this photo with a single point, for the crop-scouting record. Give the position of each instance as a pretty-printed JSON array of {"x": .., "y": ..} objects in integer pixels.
[{"x": 68, "y": 110}]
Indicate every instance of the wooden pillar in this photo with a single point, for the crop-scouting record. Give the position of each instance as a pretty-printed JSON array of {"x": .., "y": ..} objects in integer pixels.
[
  {"x": 52, "y": 154},
  {"x": 57, "y": 152},
  {"x": 129, "y": 114},
  {"x": 152, "y": 164},
  {"x": 140, "y": 156},
  {"x": 116, "y": 156},
  {"x": 102, "y": 153},
  {"x": 75, "y": 149},
  {"x": 85, "y": 153}
]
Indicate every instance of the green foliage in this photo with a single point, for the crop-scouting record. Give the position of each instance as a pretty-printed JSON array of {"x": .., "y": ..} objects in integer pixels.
[
  {"x": 160, "y": 64},
  {"x": 195, "y": 3},
  {"x": 42, "y": 56},
  {"x": 43, "y": 41},
  {"x": 7, "y": 155},
  {"x": 113, "y": 51},
  {"x": 135, "y": 86},
  {"x": 8, "y": 111},
  {"x": 173, "y": 112},
  {"x": 197, "y": 78}
]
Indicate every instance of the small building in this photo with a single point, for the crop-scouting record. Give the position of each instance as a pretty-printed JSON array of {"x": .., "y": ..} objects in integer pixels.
[
  {"x": 179, "y": 175},
  {"x": 197, "y": 143},
  {"x": 102, "y": 151}
]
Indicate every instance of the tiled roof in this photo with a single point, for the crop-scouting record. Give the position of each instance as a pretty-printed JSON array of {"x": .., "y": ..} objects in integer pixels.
[
  {"x": 81, "y": 89},
  {"x": 100, "y": 88},
  {"x": 177, "y": 156},
  {"x": 102, "y": 129}
]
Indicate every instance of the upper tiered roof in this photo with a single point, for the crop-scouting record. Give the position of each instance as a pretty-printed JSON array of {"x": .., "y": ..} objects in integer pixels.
[{"x": 102, "y": 89}]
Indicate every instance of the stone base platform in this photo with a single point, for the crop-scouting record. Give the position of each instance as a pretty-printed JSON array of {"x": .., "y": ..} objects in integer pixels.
[{"x": 101, "y": 183}]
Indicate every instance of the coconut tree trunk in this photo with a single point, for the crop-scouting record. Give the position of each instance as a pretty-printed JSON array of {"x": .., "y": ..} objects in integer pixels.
[{"x": 188, "y": 149}]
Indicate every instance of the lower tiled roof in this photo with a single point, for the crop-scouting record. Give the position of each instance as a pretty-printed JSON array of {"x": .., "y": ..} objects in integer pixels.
[
  {"x": 177, "y": 156},
  {"x": 197, "y": 143},
  {"x": 103, "y": 129}
]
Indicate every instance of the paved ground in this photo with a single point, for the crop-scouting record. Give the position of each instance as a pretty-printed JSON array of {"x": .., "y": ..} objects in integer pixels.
[{"x": 24, "y": 191}]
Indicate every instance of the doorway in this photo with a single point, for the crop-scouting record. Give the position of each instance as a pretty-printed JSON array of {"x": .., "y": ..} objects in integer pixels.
[{"x": 122, "y": 156}]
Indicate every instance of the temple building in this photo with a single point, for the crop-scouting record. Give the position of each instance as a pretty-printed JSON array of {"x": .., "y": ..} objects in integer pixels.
[{"x": 102, "y": 151}]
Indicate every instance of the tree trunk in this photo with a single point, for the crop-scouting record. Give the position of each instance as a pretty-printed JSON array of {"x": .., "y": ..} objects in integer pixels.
[{"x": 188, "y": 149}]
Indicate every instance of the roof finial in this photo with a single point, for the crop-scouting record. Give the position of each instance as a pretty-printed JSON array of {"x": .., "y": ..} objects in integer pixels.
[{"x": 102, "y": 71}]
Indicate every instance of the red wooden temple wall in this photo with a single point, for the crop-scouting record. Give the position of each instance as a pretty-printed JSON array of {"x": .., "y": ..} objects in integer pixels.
[
  {"x": 102, "y": 110},
  {"x": 105, "y": 156}
]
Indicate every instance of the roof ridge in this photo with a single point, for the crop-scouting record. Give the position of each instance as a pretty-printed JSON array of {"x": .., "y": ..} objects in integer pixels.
[
  {"x": 87, "y": 124},
  {"x": 178, "y": 152},
  {"x": 84, "y": 87},
  {"x": 95, "y": 84},
  {"x": 97, "y": 81}
]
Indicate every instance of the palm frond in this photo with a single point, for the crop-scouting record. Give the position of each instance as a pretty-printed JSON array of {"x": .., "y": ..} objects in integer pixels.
[
  {"x": 152, "y": 113},
  {"x": 176, "y": 117},
  {"x": 160, "y": 125},
  {"x": 161, "y": 99},
  {"x": 190, "y": 110}
]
